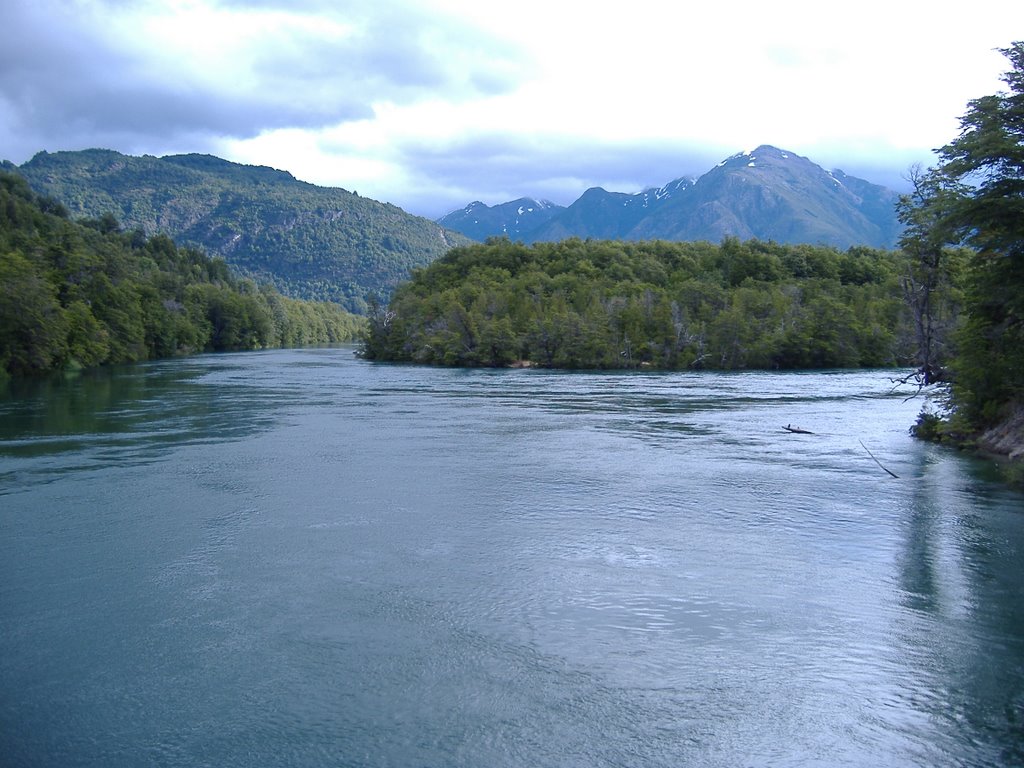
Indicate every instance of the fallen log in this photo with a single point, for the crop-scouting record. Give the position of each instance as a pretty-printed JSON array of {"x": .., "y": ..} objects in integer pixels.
[{"x": 797, "y": 430}]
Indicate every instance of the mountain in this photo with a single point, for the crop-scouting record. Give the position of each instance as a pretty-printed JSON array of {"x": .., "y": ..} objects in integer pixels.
[
  {"x": 607, "y": 215},
  {"x": 308, "y": 241},
  {"x": 514, "y": 219},
  {"x": 768, "y": 194}
]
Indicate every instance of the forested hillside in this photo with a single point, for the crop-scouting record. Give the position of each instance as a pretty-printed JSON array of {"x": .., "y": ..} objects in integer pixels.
[
  {"x": 80, "y": 294},
  {"x": 309, "y": 242},
  {"x": 614, "y": 304}
]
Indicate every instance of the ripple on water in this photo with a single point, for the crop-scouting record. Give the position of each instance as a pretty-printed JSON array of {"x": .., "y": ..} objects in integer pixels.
[{"x": 301, "y": 558}]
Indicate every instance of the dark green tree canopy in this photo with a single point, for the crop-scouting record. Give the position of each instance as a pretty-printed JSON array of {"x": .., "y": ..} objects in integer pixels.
[
  {"x": 81, "y": 294},
  {"x": 658, "y": 304},
  {"x": 975, "y": 196},
  {"x": 985, "y": 166}
]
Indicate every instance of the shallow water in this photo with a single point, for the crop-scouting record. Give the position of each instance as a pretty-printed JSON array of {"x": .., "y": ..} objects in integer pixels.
[{"x": 300, "y": 559}]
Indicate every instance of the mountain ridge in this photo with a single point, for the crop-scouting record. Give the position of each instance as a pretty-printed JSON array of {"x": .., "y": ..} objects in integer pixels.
[
  {"x": 512, "y": 218},
  {"x": 311, "y": 242},
  {"x": 766, "y": 193}
]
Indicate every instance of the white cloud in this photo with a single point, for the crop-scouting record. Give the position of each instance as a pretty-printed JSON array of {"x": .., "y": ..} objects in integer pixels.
[
  {"x": 432, "y": 104},
  {"x": 150, "y": 76}
]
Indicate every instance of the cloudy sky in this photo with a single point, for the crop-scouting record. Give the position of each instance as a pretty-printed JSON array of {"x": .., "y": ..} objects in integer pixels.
[{"x": 431, "y": 104}]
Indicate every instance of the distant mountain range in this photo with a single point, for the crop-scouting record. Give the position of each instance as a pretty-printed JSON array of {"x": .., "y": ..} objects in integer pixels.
[
  {"x": 308, "y": 241},
  {"x": 331, "y": 244},
  {"x": 769, "y": 194}
]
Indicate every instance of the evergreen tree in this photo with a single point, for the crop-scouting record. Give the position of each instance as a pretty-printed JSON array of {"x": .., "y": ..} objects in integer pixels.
[{"x": 975, "y": 197}]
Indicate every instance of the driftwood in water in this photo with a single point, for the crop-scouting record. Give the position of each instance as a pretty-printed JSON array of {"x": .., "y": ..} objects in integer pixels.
[
  {"x": 893, "y": 474},
  {"x": 801, "y": 431},
  {"x": 797, "y": 430}
]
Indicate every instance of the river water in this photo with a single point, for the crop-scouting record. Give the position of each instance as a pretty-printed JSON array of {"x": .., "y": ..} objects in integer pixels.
[{"x": 298, "y": 558}]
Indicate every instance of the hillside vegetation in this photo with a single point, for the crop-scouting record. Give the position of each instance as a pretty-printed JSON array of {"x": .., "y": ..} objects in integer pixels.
[
  {"x": 80, "y": 294},
  {"x": 614, "y": 304},
  {"x": 309, "y": 242}
]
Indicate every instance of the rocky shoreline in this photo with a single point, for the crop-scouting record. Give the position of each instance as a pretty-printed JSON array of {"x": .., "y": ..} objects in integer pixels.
[{"x": 1007, "y": 437}]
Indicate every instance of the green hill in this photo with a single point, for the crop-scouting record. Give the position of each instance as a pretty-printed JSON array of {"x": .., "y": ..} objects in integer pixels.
[
  {"x": 79, "y": 294},
  {"x": 308, "y": 241}
]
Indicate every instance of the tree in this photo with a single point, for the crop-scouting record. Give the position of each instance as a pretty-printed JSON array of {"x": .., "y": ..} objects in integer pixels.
[
  {"x": 927, "y": 231},
  {"x": 975, "y": 197},
  {"x": 33, "y": 330}
]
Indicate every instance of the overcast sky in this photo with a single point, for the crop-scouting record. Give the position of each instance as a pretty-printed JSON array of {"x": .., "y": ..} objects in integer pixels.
[{"x": 432, "y": 104}]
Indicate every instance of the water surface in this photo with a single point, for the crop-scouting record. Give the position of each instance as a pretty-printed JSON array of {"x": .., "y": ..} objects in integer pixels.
[{"x": 302, "y": 559}]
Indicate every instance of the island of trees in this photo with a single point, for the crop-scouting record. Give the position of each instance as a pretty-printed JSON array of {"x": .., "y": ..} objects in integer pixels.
[
  {"x": 77, "y": 294},
  {"x": 656, "y": 304}
]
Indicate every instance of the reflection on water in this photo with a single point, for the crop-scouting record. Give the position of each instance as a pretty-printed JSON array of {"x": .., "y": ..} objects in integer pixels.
[
  {"x": 298, "y": 558},
  {"x": 131, "y": 414}
]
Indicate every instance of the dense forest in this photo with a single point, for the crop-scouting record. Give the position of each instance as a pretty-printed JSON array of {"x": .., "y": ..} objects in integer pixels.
[
  {"x": 81, "y": 294},
  {"x": 666, "y": 305}
]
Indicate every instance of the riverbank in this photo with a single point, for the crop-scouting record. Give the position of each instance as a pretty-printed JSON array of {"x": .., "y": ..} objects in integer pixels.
[
  {"x": 1003, "y": 442},
  {"x": 1007, "y": 437}
]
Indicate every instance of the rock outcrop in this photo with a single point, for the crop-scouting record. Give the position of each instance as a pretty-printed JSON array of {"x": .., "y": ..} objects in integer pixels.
[{"x": 1007, "y": 437}]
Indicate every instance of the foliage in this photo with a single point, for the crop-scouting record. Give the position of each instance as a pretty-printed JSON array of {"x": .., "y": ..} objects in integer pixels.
[
  {"x": 84, "y": 294},
  {"x": 934, "y": 273},
  {"x": 309, "y": 242},
  {"x": 975, "y": 197},
  {"x": 613, "y": 304},
  {"x": 928, "y": 426}
]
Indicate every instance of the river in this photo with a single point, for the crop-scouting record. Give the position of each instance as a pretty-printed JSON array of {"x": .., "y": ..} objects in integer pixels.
[{"x": 299, "y": 558}]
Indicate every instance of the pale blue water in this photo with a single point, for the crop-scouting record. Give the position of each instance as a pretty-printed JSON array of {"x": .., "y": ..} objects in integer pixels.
[{"x": 303, "y": 559}]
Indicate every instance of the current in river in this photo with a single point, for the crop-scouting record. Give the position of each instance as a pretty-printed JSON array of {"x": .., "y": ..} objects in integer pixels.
[{"x": 300, "y": 558}]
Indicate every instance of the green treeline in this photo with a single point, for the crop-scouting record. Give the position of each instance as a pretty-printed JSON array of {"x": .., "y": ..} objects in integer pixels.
[
  {"x": 667, "y": 305},
  {"x": 81, "y": 294}
]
